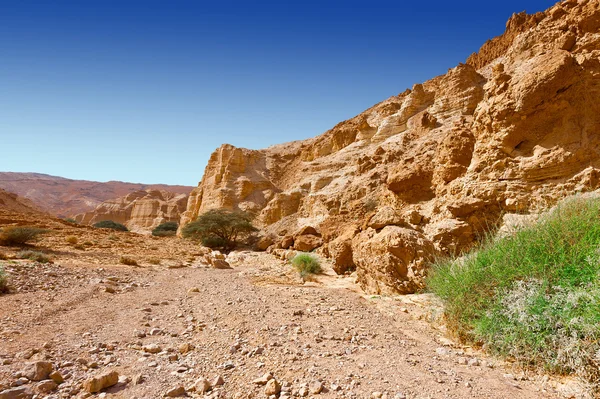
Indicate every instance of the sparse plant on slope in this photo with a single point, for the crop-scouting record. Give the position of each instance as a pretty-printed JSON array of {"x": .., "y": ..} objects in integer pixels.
[
  {"x": 165, "y": 229},
  {"x": 70, "y": 220},
  {"x": 71, "y": 240},
  {"x": 109, "y": 224},
  {"x": 220, "y": 228},
  {"x": 533, "y": 296},
  {"x": 126, "y": 260},
  {"x": 306, "y": 264},
  {"x": 19, "y": 235},
  {"x": 35, "y": 256},
  {"x": 3, "y": 281}
]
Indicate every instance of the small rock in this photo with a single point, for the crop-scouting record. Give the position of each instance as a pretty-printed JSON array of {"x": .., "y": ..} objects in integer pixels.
[
  {"x": 315, "y": 387},
  {"x": 175, "y": 392},
  {"x": 57, "y": 377},
  {"x": 185, "y": 348},
  {"x": 100, "y": 382},
  {"x": 273, "y": 387},
  {"x": 202, "y": 385},
  {"x": 38, "y": 371},
  {"x": 376, "y": 395},
  {"x": 152, "y": 348},
  {"x": 473, "y": 362},
  {"x": 16, "y": 393},
  {"x": 218, "y": 381},
  {"x": 45, "y": 386},
  {"x": 193, "y": 290},
  {"x": 263, "y": 380}
]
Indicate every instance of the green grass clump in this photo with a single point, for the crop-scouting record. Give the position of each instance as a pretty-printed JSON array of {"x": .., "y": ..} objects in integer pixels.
[
  {"x": 533, "y": 296},
  {"x": 109, "y": 224},
  {"x": 19, "y": 235},
  {"x": 165, "y": 229},
  {"x": 306, "y": 264},
  {"x": 3, "y": 281},
  {"x": 35, "y": 256}
]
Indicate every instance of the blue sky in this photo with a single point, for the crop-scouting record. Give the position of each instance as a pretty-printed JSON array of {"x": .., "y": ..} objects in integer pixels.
[{"x": 145, "y": 91}]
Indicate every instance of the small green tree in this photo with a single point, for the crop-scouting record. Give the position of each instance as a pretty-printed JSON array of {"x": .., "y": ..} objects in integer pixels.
[
  {"x": 109, "y": 224},
  {"x": 165, "y": 229},
  {"x": 220, "y": 228}
]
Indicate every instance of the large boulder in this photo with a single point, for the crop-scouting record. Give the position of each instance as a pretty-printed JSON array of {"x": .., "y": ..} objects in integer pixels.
[
  {"x": 307, "y": 243},
  {"x": 391, "y": 261},
  {"x": 340, "y": 251}
]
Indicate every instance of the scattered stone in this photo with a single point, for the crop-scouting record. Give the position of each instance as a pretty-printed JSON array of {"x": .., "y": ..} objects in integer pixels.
[
  {"x": 220, "y": 264},
  {"x": 202, "y": 385},
  {"x": 175, "y": 392},
  {"x": 38, "y": 371},
  {"x": 193, "y": 290},
  {"x": 100, "y": 382},
  {"x": 273, "y": 387},
  {"x": 16, "y": 393},
  {"x": 57, "y": 377},
  {"x": 473, "y": 362},
  {"x": 185, "y": 348},
  {"x": 218, "y": 381},
  {"x": 263, "y": 380},
  {"x": 46, "y": 386},
  {"x": 315, "y": 387},
  {"x": 152, "y": 348}
]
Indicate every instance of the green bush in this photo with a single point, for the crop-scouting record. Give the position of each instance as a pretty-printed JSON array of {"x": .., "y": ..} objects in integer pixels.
[
  {"x": 35, "y": 256},
  {"x": 19, "y": 235},
  {"x": 306, "y": 264},
  {"x": 70, "y": 220},
  {"x": 533, "y": 296},
  {"x": 128, "y": 261},
  {"x": 165, "y": 229},
  {"x": 109, "y": 224},
  {"x": 3, "y": 281},
  {"x": 220, "y": 228}
]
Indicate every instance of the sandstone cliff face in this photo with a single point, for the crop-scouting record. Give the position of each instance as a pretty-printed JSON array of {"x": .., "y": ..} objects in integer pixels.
[
  {"x": 141, "y": 211},
  {"x": 66, "y": 197},
  {"x": 426, "y": 172}
]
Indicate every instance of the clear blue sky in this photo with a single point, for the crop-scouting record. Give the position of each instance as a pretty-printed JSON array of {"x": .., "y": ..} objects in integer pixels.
[{"x": 145, "y": 91}]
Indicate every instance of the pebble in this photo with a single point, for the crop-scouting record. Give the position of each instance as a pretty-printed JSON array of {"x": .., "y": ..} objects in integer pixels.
[{"x": 175, "y": 392}]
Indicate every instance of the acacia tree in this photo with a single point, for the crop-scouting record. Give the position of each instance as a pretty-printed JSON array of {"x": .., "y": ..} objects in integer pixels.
[{"x": 220, "y": 228}]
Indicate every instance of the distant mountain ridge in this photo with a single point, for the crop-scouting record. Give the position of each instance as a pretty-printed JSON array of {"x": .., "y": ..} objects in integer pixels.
[{"x": 67, "y": 197}]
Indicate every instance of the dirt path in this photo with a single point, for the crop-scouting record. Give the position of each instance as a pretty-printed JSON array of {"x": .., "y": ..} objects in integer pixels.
[{"x": 240, "y": 324}]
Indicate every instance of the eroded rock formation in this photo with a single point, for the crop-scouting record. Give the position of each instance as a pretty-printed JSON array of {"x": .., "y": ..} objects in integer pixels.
[
  {"x": 426, "y": 172},
  {"x": 140, "y": 211}
]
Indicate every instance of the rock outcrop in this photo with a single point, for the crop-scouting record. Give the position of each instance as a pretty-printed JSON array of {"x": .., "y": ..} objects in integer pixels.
[
  {"x": 426, "y": 172},
  {"x": 66, "y": 197},
  {"x": 140, "y": 211}
]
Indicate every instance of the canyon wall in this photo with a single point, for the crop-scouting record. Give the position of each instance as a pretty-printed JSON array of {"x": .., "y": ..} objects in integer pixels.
[{"x": 427, "y": 172}]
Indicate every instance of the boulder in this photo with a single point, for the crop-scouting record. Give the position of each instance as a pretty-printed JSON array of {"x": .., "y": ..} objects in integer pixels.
[
  {"x": 101, "y": 381},
  {"x": 340, "y": 251},
  {"x": 391, "y": 261},
  {"x": 38, "y": 371},
  {"x": 307, "y": 243},
  {"x": 264, "y": 242}
]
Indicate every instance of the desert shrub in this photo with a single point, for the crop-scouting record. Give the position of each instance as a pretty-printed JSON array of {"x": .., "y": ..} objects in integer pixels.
[
  {"x": 79, "y": 247},
  {"x": 71, "y": 240},
  {"x": 3, "y": 256},
  {"x": 3, "y": 281},
  {"x": 70, "y": 220},
  {"x": 109, "y": 224},
  {"x": 533, "y": 296},
  {"x": 154, "y": 261},
  {"x": 35, "y": 256},
  {"x": 88, "y": 243},
  {"x": 165, "y": 229},
  {"x": 18, "y": 235},
  {"x": 306, "y": 264},
  {"x": 113, "y": 237},
  {"x": 220, "y": 228},
  {"x": 126, "y": 260}
]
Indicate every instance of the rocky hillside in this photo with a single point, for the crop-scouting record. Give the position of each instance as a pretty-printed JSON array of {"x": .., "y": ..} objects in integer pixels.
[
  {"x": 140, "y": 211},
  {"x": 12, "y": 202},
  {"x": 428, "y": 171},
  {"x": 65, "y": 197}
]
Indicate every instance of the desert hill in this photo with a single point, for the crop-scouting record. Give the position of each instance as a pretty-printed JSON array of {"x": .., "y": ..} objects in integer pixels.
[
  {"x": 12, "y": 202},
  {"x": 66, "y": 197},
  {"x": 429, "y": 170}
]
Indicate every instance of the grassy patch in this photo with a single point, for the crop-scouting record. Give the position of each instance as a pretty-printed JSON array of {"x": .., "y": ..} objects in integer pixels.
[
  {"x": 126, "y": 260},
  {"x": 19, "y": 235},
  {"x": 533, "y": 296},
  {"x": 306, "y": 264},
  {"x": 3, "y": 281},
  {"x": 71, "y": 240},
  {"x": 154, "y": 261},
  {"x": 35, "y": 256}
]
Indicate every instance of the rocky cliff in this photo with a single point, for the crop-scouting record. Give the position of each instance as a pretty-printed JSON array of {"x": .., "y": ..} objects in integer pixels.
[
  {"x": 141, "y": 211},
  {"x": 426, "y": 172},
  {"x": 66, "y": 197},
  {"x": 13, "y": 203}
]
